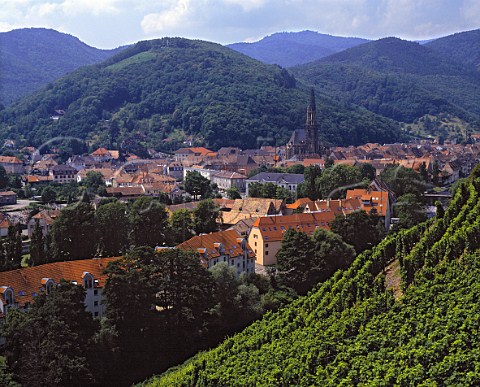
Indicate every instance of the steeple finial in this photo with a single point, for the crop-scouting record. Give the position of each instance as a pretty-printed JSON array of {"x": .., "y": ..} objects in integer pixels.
[{"x": 312, "y": 103}]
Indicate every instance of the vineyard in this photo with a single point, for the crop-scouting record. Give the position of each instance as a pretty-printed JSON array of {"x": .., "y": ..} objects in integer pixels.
[{"x": 351, "y": 330}]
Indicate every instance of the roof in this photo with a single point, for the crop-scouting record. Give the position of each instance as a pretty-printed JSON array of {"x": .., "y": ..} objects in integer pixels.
[
  {"x": 272, "y": 228},
  {"x": 63, "y": 168},
  {"x": 228, "y": 175},
  {"x": 230, "y": 240},
  {"x": 10, "y": 160},
  {"x": 299, "y": 203},
  {"x": 269, "y": 177},
  {"x": 195, "y": 150},
  {"x": 378, "y": 200},
  {"x": 48, "y": 216},
  {"x": 125, "y": 191},
  {"x": 27, "y": 282},
  {"x": 101, "y": 152},
  {"x": 7, "y": 193}
]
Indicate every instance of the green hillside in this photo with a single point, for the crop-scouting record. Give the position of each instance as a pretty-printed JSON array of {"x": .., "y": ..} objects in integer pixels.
[
  {"x": 159, "y": 93},
  {"x": 352, "y": 330},
  {"x": 463, "y": 47},
  {"x": 32, "y": 57},
  {"x": 397, "y": 79}
]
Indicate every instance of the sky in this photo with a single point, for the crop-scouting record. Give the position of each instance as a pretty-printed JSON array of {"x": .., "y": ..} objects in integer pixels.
[{"x": 112, "y": 23}]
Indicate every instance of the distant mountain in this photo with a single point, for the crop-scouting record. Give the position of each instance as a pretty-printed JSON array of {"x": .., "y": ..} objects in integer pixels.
[
  {"x": 398, "y": 79},
  {"x": 289, "y": 49},
  {"x": 463, "y": 47},
  {"x": 32, "y": 57},
  {"x": 161, "y": 93}
]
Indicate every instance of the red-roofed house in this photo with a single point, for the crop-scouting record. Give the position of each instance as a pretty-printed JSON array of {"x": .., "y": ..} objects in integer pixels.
[
  {"x": 223, "y": 246},
  {"x": 19, "y": 287},
  {"x": 267, "y": 232}
]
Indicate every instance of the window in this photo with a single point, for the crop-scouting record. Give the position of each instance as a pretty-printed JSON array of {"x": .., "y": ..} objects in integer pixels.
[
  {"x": 95, "y": 303},
  {"x": 95, "y": 292},
  {"x": 255, "y": 243},
  {"x": 266, "y": 252},
  {"x": 266, "y": 244},
  {"x": 96, "y": 314}
]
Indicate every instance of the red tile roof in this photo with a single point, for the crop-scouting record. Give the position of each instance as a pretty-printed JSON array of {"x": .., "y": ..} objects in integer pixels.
[
  {"x": 27, "y": 282},
  {"x": 207, "y": 244}
]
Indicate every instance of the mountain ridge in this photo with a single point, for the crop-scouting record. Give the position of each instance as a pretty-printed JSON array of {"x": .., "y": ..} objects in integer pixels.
[{"x": 32, "y": 57}]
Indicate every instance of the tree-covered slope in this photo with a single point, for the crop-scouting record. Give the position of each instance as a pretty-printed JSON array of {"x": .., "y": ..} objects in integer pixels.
[
  {"x": 32, "y": 57},
  {"x": 463, "y": 47},
  {"x": 397, "y": 79},
  {"x": 162, "y": 92},
  {"x": 294, "y": 48},
  {"x": 351, "y": 329}
]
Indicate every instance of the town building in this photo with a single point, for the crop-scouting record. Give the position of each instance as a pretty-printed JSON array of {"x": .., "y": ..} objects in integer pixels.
[
  {"x": 226, "y": 180},
  {"x": 45, "y": 218},
  {"x": 289, "y": 181},
  {"x": 63, "y": 174},
  {"x": 266, "y": 234},
  {"x": 222, "y": 246},
  {"x": 12, "y": 164},
  {"x": 19, "y": 287},
  {"x": 8, "y": 197}
]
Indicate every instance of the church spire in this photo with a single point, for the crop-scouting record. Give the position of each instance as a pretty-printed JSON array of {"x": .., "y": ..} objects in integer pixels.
[{"x": 311, "y": 125}]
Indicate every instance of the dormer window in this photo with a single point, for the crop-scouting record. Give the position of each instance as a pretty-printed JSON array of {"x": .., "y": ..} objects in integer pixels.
[
  {"x": 48, "y": 284},
  {"x": 87, "y": 280},
  {"x": 7, "y": 294}
]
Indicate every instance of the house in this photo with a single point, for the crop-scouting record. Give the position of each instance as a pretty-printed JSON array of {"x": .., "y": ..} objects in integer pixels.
[
  {"x": 226, "y": 180},
  {"x": 81, "y": 162},
  {"x": 266, "y": 234},
  {"x": 8, "y": 197},
  {"x": 251, "y": 208},
  {"x": 12, "y": 164},
  {"x": 182, "y": 153},
  {"x": 19, "y": 287},
  {"x": 101, "y": 155},
  {"x": 4, "y": 225},
  {"x": 289, "y": 181},
  {"x": 63, "y": 174},
  {"x": 374, "y": 202},
  {"x": 45, "y": 218},
  {"x": 222, "y": 246}
]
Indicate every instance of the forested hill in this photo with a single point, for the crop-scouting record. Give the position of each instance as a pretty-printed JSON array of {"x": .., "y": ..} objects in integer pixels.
[
  {"x": 398, "y": 79},
  {"x": 294, "y": 48},
  {"x": 32, "y": 57},
  {"x": 159, "y": 93},
  {"x": 353, "y": 330},
  {"x": 463, "y": 47}
]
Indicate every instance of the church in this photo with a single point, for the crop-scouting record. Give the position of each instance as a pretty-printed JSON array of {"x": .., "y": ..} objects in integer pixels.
[{"x": 304, "y": 142}]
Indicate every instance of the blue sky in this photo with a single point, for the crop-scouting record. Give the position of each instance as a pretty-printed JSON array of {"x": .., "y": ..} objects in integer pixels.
[{"x": 111, "y": 23}]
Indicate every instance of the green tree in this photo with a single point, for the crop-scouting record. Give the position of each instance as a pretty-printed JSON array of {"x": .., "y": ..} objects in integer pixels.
[
  {"x": 112, "y": 227},
  {"x": 49, "y": 345},
  {"x": 70, "y": 232},
  {"x": 49, "y": 195},
  {"x": 94, "y": 181},
  {"x": 359, "y": 229},
  {"x": 334, "y": 182},
  {"x": 269, "y": 190},
  {"x": 37, "y": 246},
  {"x": 205, "y": 216},
  {"x": 293, "y": 260},
  {"x": 197, "y": 185},
  {"x": 3, "y": 177},
  {"x": 410, "y": 211},
  {"x": 233, "y": 193},
  {"x": 255, "y": 190},
  {"x": 181, "y": 226},
  {"x": 368, "y": 171},
  {"x": 148, "y": 222},
  {"x": 403, "y": 180},
  {"x": 296, "y": 168},
  {"x": 13, "y": 247},
  {"x": 308, "y": 188}
]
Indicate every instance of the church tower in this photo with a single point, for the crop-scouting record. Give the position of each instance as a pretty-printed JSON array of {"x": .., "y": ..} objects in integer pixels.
[{"x": 311, "y": 127}]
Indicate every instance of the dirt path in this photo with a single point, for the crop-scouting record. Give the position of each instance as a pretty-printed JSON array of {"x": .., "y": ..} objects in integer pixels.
[{"x": 393, "y": 279}]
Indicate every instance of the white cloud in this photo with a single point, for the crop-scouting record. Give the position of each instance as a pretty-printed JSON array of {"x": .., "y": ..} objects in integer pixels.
[
  {"x": 172, "y": 17},
  {"x": 247, "y": 5}
]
